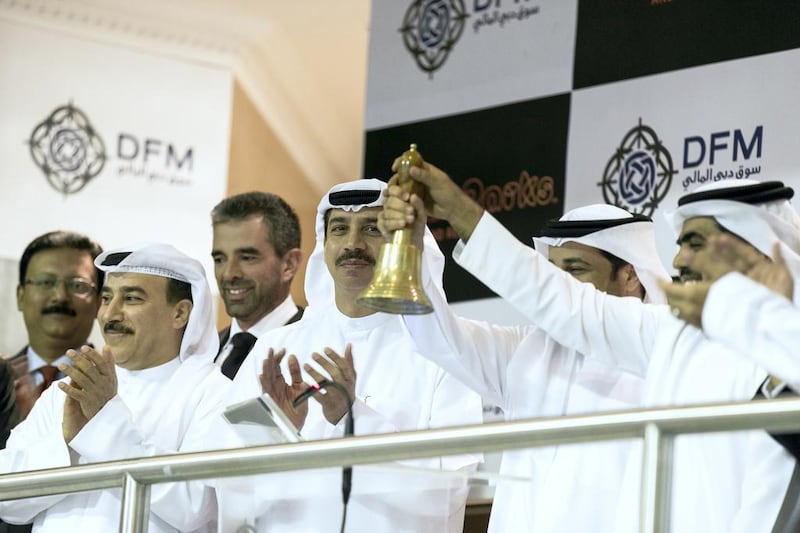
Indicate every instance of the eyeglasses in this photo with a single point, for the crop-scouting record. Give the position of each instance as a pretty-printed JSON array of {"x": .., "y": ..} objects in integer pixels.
[{"x": 76, "y": 286}]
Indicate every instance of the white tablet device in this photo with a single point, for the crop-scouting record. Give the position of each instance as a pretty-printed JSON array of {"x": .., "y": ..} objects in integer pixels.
[{"x": 260, "y": 421}]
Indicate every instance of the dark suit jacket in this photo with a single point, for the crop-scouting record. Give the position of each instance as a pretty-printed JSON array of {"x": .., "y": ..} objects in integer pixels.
[{"x": 9, "y": 417}]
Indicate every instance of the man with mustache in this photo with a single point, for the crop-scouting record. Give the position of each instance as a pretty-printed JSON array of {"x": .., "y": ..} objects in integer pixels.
[
  {"x": 256, "y": 253},
  {"x": 713, "y": 475},
  {"x": 390, "y": 386},
  {"x": 58, "y": 295},
  {"x": 152, "y": 390}
]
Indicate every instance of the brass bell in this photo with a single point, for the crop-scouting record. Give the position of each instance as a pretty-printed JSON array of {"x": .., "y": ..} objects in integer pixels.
[{"x": 396, "y": 285}]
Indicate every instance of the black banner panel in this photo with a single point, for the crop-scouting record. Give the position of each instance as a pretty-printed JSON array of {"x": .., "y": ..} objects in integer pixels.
[
  {"x": 511, "y": 159},
  {"x": 622, "y": 39}
]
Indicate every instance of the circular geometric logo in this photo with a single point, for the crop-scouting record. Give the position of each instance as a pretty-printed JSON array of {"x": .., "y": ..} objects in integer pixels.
[
  {"x": 430, "y": 30},
  {"x": 638, "y": 175},
  {"x": 67, "y": 149}
]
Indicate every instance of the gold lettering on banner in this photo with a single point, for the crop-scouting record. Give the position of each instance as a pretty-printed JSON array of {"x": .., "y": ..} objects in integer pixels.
[{"x": 526, "y": 191}]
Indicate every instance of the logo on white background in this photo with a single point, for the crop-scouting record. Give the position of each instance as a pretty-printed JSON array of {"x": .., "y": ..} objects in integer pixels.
[
  {"x": 67, "y": 149},
  {"x": 430, "y": 30},
  {"x": 638, "y": 175},
  {"x": 70, "y": 153}
]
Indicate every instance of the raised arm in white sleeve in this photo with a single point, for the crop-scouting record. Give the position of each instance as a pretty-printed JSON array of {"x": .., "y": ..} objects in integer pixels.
[
  {"x": 620, "y": 331},
  {"x": 475, "y": 352},
  {"x": 761, "y": 324}
]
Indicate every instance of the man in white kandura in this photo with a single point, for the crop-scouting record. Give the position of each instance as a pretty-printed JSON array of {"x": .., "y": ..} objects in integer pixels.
[
  {"x": 393, "y": 388},
  {"x": 152, "y": 390},
  {"x": 713, "y": 473},
  {"x": 573, "y": 488}
]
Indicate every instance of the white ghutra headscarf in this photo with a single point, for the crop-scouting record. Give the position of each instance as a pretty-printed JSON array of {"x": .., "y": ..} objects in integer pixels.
[
  {"x": 157, "y": 259},
  {"x": 354, "y": 196},
  {"x": 758, "y": 212},
  {"x": 616, "y": 231}
]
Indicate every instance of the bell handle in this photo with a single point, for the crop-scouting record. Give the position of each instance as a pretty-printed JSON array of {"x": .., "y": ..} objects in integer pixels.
[{"x": 410, "y": 158}]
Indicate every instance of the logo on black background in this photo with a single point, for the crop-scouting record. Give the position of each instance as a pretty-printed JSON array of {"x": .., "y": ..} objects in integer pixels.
[
  {"x": 639, "y": 174},
  {"x": 66, "y": 147},
  {"x": 430, "y": 30}
]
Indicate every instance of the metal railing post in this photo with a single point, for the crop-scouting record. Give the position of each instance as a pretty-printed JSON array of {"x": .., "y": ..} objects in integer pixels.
[
  {"x": 135, "y": 512},
  {"x": 656, "y": 480}
]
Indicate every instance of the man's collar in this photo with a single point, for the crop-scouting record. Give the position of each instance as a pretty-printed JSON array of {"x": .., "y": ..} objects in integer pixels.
[{"x": 274, "y": 319}]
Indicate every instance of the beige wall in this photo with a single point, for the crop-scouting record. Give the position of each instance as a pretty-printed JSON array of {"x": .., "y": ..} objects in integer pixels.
[{"x": 258, "y": 161}]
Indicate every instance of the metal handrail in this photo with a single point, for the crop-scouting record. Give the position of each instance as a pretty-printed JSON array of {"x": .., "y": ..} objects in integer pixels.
[{"x": 655, "y": 426}]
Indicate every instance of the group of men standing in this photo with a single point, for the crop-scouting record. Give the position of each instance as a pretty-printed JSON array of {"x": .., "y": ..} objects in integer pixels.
[{"x": 600, "y": 338}]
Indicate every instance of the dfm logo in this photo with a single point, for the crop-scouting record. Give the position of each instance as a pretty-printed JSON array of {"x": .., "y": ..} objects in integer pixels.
[
  {"x": 701, "y": 156},
  {"x": 67, "y": 149},
  {"x": 70, "y": 152},
  {"x": 638, "y": 175},
  {"x": 430, "y": 30}
]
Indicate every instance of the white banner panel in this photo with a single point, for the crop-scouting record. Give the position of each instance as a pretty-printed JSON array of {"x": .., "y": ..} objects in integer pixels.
[
  {"x": 643, "y": 143},
  {"x": 429, "y": 58},
  {"x": 103, "y": 140},
  {"x": 120, "y": 145}
]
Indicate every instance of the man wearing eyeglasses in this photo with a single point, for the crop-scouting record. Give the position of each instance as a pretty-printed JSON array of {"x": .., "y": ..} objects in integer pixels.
[{"x": 58, "y": 297}]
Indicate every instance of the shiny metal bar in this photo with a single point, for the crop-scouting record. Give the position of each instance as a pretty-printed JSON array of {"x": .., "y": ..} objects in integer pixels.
[
  {"x": 773, "y": 415},
  {"x": 135, "y": 506}
]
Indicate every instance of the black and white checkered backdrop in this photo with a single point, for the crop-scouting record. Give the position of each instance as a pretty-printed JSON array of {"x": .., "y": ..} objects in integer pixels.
[{"x": 538, "y": 106}]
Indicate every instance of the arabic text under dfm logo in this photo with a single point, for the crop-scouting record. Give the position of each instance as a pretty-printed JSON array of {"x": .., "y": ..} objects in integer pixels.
[
  {"x": 430, "y": 30},
  {"x": 639, "y": 174},
  {"x": 68, "y": 150}
]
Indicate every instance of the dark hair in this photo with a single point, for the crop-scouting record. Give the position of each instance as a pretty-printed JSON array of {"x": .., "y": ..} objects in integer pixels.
[
  {"x": 616, "y": 264},
  {"x": 178, "y": 290},
  {"x": 325, "y": 218},
  {"x": 280, "y": 218},
  {"x": 56, "y": 240}
]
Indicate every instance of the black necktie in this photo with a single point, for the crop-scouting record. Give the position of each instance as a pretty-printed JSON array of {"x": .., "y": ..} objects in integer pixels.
[{"x": 242, "y": 344}]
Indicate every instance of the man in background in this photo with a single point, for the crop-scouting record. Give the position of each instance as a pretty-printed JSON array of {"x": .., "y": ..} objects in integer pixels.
[
  {"x": 256, "y": 252},
  {"x": 58, "y": 295}
]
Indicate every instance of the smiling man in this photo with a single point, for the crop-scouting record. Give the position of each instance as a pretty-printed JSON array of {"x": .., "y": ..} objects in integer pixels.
[
  {"x": 712, "y": 474},
  {"x": 256, "y": 253},
  {"x": 574, "y": 488},
  {"x": 58, "y": 295},
  {"x": 152, "y": 390},
  {"x": 391, "y": 386}
]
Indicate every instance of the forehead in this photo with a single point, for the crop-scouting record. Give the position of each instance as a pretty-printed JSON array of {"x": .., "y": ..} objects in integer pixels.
[
  {"x": 365, "y": 213},
  {"x": 132, "y": 280},
  {"x": 61, "y": 260},
  {"x": 575, "y": 251},
  {"x": 704, "y": 226},
  {"x": 253, "y": 229}
]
